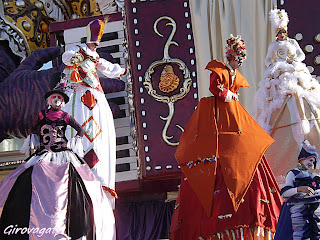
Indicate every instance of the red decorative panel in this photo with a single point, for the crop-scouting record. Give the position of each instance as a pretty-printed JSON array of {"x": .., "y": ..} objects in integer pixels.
[
  {"x": 91, "y": 158},
  {"x": 163, "y": 68},
  {"x": 304, "y": 27},
  {"x": 89, "y": 100}
]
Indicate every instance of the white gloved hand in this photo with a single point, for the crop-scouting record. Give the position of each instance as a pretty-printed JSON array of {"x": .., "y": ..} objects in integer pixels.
[{"x": 235, "y": 97}]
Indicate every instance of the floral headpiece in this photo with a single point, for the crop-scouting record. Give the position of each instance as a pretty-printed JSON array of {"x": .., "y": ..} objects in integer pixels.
[{"x": 236, "y": 49}]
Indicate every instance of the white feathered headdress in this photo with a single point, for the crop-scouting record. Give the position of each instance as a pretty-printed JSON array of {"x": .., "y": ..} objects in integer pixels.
[{"x": 279, "y": 19}]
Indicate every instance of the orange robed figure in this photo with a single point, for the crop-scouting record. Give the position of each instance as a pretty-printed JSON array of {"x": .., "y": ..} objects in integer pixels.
[{"x": 227, "y": 188}]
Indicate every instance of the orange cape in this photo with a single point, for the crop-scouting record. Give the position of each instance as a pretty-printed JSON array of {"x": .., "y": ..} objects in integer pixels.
[
  {"x": 221, "y": 70},
  {"x": 225, "y": 131}
]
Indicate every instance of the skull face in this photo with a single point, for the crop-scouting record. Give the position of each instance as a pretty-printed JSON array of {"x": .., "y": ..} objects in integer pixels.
[{"x": 56, "y": 100}]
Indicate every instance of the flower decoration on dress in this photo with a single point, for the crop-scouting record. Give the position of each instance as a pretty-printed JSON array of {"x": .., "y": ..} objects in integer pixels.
[
  {"x": 225, "y": 216},
  {"x": 206, "y": 160},
  {"x": 279, "y": 20},
  {"x": 236, "y": 49}
]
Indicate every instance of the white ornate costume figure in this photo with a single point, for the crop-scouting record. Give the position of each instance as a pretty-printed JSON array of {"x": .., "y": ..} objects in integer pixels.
[
  {"x": 89, "y": 106},
  {"x": 288, "y": 99}
]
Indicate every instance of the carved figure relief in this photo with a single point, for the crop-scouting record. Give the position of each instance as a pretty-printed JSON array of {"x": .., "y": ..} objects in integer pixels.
[{"x": 168, "y": 80}]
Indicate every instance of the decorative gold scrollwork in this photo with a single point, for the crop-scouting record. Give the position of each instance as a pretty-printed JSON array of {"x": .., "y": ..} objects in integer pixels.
[{"x": 185, "y": 88}]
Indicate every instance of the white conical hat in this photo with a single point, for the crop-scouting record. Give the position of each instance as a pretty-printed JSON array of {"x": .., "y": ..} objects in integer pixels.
[{"x": 279, "y": 19}]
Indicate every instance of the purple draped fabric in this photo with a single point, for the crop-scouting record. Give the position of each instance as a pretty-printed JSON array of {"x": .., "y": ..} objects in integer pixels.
[
  {"x": 49, "y": 198},
  {"x": 103, "y": 214},
  {"x": 5, "y": 187},
  {"x": 143, "y": 220}
]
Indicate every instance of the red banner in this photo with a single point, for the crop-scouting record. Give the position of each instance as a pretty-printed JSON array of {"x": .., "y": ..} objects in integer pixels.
[{"x": 163, "y": 68}]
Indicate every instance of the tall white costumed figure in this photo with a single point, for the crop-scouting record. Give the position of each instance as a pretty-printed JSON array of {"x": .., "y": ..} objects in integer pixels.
[
  {"x": 88, "y": 105},
  {"x": 288, "y": 99}
]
